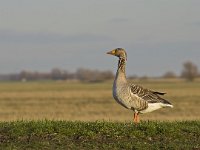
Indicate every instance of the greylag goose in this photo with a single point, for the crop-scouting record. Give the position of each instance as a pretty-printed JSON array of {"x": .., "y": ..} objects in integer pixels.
[{"x": 131, "y": 96}]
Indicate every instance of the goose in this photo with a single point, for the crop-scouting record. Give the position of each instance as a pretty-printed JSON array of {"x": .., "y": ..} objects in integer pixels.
[{"x": 131, "y": 96}]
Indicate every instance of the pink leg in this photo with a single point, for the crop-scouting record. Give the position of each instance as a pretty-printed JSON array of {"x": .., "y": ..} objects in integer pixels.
[{"x": 136, "y": 118}]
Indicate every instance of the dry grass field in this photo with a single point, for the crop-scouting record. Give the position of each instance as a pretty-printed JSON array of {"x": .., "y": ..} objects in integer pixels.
[{"x": 64, "y": 100}]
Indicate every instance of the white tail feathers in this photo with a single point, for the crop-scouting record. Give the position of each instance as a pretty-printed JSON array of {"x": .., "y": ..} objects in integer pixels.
[
  {"x": 168, "y": 105},
  {"x": 154, "y": 106}
]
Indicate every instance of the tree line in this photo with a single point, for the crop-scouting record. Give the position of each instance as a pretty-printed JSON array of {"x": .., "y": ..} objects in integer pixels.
[
  {"x": 189, "y": 72},
  {"x": 60, "y": 74}
]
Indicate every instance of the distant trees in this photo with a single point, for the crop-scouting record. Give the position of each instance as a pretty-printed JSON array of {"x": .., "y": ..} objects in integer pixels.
[
  {"x": 31, "y": 76},
  {"x": 190, "y": 71},
  {"x": 59, "y": 74},
  {"x": 93, "y": 75},
  {"x": 169, "y": 74}
]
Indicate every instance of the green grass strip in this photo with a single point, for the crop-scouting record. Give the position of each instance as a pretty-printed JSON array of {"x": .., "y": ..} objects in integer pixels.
[{"x": 99, "y": 135}]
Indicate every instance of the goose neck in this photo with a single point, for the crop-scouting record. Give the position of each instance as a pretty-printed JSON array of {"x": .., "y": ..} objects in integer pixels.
[{"x": 121, "y": 72}]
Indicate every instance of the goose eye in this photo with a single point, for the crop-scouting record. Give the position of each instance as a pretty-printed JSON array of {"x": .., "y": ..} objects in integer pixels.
[{"x": 117, "y": 49}]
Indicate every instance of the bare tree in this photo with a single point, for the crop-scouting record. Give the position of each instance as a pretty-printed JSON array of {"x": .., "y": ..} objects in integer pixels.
[
  {"x": 56, "y": 73},
  {"x": 93, "y": 75},
  {"x": 169, "y": 74},
  {"x": 190, "y": 71}
]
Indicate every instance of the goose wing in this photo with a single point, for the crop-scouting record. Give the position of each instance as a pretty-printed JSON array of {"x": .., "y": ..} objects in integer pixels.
[{"x": 148, "y": 95}]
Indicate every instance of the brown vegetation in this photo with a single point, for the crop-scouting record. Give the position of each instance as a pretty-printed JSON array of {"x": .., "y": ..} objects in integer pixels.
[{"x": 64, "y": 100}]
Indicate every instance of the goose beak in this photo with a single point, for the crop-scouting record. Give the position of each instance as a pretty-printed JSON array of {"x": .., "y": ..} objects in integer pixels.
[{"x": 111, "y": 52}]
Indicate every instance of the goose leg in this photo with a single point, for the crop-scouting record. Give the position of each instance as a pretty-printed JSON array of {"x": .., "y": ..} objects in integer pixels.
[{"x": 136, "y": 117}]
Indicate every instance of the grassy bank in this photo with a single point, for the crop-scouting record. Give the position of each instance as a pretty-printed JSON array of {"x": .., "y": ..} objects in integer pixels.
[{"x": 99, "y": 135}]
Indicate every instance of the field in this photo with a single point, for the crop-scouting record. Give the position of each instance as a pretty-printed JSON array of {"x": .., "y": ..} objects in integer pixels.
[
  {"x": 73, "y": 115},
  {"x": 62, "y": 100}
]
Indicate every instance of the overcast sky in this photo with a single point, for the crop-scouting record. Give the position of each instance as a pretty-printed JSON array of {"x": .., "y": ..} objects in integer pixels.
[{"x": 159, "y": 35}]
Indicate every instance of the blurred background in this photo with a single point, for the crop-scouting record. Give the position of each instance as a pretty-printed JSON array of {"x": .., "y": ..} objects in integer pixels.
[{"x": 53, "y": 61}]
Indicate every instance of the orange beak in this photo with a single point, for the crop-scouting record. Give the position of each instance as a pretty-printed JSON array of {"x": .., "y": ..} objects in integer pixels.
[{"x": 111, "y": 52}]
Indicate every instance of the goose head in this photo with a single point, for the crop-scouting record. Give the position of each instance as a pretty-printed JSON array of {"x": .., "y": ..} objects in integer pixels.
[{"x": 118, "y": 52}]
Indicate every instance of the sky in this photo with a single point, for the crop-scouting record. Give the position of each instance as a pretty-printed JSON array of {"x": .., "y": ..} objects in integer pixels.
[{"x": 158, "y": 35}]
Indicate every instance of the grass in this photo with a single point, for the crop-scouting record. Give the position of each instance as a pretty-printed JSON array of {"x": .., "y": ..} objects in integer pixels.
[{"x": 99, "y": 135}]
